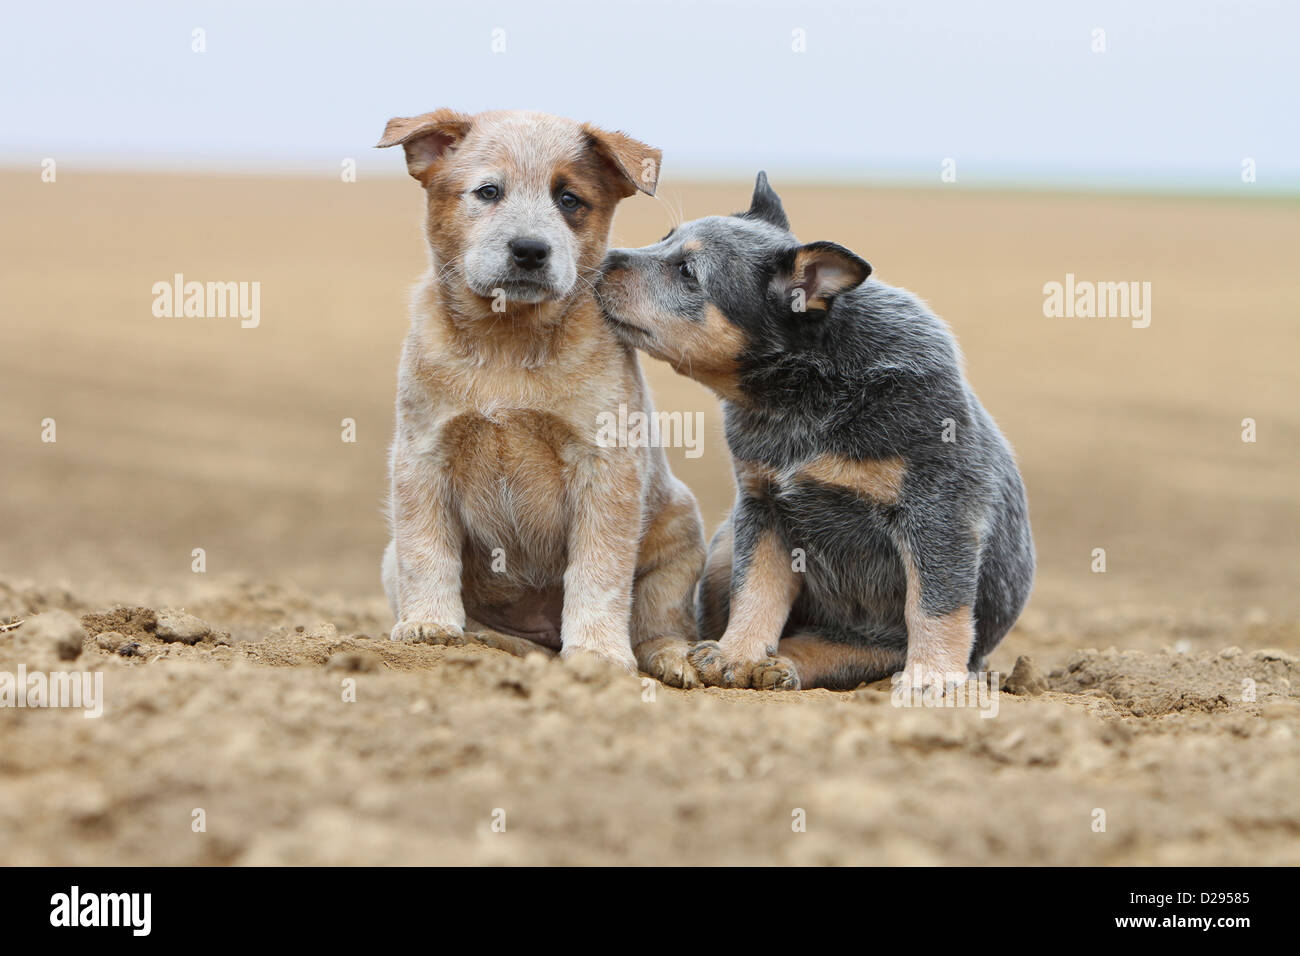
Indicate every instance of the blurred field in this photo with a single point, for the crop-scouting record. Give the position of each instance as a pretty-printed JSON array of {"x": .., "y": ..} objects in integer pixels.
[
  {"x": 175, "y": 434},
  {"x": 182, "y": 433}
]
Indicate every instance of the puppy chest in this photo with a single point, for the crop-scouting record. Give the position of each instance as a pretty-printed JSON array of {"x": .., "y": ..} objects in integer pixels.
[
  {"x": 508, "y": 474},
  {"x": 843, "y": 547},
  {"x": 852, "y": 571}
]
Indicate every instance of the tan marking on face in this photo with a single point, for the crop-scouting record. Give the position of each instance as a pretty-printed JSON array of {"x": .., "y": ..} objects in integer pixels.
[
  {"x": 761, "y": 604},
  {"x": 879, "y": 480},
  {"x": 935, "y": 644},
  {"x": 590, "y": 180},
  {"x": 706, "y": 349},
  {"x": 692, "y": 245},
  {"x": 836, "y": 665},
  {"x": 713, "y": 352}
]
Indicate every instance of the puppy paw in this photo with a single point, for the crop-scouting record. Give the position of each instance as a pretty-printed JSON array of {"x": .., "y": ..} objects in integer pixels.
[
  {"x": 710, "y": 662},
  {"x": 774, "y": 673},
  {"x": 590, "y": 660},
  {"x": 667, "y": 660},
  {"x": 515, "y": 646},
  {"x": 427, "y": 632},
  {"x": 935, "y": 681},
  {"x": 718, "y": 669}
]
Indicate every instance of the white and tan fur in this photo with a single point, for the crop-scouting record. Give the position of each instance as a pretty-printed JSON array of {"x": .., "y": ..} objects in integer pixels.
[{"x": 511, "y": 525}]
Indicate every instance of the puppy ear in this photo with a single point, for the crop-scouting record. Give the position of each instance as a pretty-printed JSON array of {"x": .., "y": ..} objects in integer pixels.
[
  {"x": 766, "y": 205},
  {"x": 634, "y": 164},
  {"x": 427, "y": 138},
  {"x": 815, "y": 273}
]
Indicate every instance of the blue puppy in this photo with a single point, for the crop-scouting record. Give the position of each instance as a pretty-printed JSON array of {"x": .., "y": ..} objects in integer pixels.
[{"x": 880, "y": 522}]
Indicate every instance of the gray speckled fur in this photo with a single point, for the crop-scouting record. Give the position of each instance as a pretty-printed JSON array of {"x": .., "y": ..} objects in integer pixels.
[{"x": 872, "y": 377}]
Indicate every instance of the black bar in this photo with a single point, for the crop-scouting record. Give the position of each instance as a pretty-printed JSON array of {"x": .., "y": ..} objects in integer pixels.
[{"x": 1019, "y": 906}]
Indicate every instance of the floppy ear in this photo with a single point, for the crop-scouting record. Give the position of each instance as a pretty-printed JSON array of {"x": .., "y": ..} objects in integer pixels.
[
  {"x": 634, "y": 164},
  {"x": 766, "y": 205},
  {"x": 427, "y": 138},
  {"x": 817, "y": 272}
]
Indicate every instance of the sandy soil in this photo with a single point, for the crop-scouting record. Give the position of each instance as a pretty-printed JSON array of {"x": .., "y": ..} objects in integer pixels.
[{"x": 1168, "y": 683}]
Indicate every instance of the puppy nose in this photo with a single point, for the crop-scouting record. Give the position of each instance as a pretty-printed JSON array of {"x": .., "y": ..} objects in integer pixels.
[
  {"x": 529, "y": 253},
  {"x": 614, "y": 259}
]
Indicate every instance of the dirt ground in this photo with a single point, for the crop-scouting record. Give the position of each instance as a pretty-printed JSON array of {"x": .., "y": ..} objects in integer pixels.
[{"x": 1168, "y": 709}]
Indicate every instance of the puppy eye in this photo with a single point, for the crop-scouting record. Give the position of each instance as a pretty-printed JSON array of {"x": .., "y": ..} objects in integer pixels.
[
  {"x": 569, "y": 201},
  {"x": 487, "y": 193},
  {"x": 685, "y": 271}
]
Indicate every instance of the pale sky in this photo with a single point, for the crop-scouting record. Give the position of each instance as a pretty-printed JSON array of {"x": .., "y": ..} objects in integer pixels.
[{"x": 1012, "y": 91}]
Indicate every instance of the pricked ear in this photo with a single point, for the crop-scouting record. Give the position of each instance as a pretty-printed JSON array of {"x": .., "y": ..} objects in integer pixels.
[
  {"x": 634, "y": 165},
  {"x": 816, "y": 273},
  {"x": 766, "y": 205},
  {"x": 426, "y": 138}
]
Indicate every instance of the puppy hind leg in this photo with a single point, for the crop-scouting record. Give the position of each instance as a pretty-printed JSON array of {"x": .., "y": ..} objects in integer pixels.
[
  {"x": 820, "y": 661},
  {"x": 713, "y": 601},
  {"x": 476, "y": 633},
  {"x": 663, "y": 615}
]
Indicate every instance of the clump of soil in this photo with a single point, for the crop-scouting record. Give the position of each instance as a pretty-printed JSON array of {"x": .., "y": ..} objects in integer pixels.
[{"x": 1152, "y": 685}]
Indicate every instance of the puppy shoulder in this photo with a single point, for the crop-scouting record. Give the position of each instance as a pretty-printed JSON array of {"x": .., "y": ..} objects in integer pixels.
[{"x": 897, "y": 328}]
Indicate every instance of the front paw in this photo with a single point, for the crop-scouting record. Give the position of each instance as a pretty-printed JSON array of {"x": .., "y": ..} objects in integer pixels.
[
  {"x": 590, "y": 660},
  {"x": 774, "y": 673},
  {"x": 717, "y": 668},
  {"x": 929, "y": 680},
  {"x": 428, "y": 632},
  {"x": 667, "y": 660},
  {"x": 599, "y": 640},
  {"x": 712, "y": 663}
]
